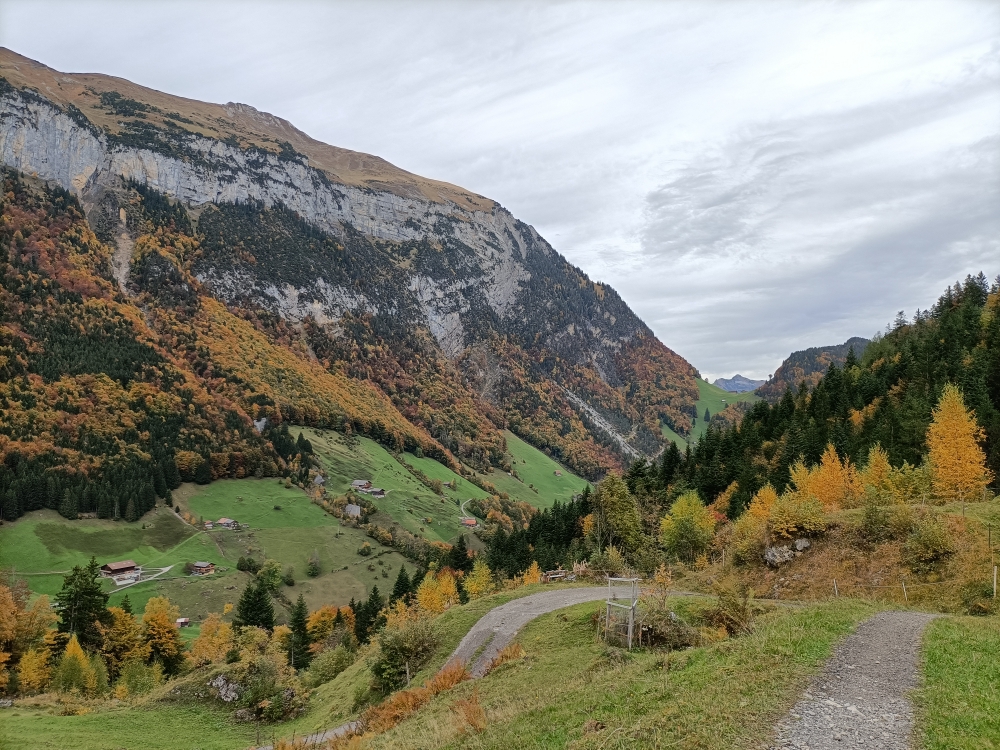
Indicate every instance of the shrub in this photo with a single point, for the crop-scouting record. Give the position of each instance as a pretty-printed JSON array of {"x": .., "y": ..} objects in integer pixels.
[
  {"x": 288, "y": 577},
  {"x": 686, "y": 530},
  {"x": 977, "y": 598},
  {"x": 796, "y": 514},
  {"x": 734, "y": 609},
  {"x": 247, "y": 565},
  {"x": 365, "y": 550},
  {"x": 138, "y": 678},
  {"x": 328, "y": 665},
  {"x": 510, "y": 652},
  {"x": 403, "y": 649},
  {"x": 928, "y": 545}
]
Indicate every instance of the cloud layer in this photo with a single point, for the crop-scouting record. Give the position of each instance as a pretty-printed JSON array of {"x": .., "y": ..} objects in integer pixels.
[{"x": 753, "y": 177}]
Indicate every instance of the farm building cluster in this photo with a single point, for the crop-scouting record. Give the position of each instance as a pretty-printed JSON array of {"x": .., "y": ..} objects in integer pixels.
[
  {"x": 222, "y": 523},
  {"x": 121, "y": 572},
  {"x": 364, "y": 485}
]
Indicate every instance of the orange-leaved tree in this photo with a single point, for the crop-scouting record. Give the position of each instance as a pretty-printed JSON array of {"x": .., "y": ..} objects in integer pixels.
[
  {"x": 958, "y": 464},
  {"x": 213, "y": 642},
  {"x": 121, "y": 641},
  {"x": 160, "y": 632}
]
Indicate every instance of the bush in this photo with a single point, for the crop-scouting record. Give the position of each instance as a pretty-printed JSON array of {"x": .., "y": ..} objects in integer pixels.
[
  {"x": 687, "y": 529},
  {"x": 365, "y": 550},
  {"x": 402, "y": 648},
  {"x": 734, "y": 609},
  {"x": 796, "y": 514},
  {"x": 247, "y": 565},
  {"x": 288, "y": 577},
  {"x": 928, "y": 545},
  {"x": 328, "y": 665},
  {"x": 137, "y": 678},
  {"x": 977, "y": 598}
]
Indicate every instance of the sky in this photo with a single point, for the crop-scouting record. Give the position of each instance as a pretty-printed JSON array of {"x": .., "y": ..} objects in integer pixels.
[{"x": 753, "y": 177}]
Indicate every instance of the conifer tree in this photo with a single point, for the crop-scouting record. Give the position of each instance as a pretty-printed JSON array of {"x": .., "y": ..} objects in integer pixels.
[
  {"x": 203, "y": 473},
  {"x": 958, "y": 464},
  {"x": 458, "y": 556},
  {"x": 126, "y": 604},
  {"x": 159, "y": 481},
  {"x": 171, "y": 475},
  {"x": 81, "y": 604},
  {"x": 67, "y": 508},
  {"x": 255, "y": 607},
  {"x": 401, "y": 588},
  {"x": 299, "y": 655}
]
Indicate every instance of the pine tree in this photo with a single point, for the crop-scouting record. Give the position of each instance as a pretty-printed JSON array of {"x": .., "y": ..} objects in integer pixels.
[
  {"x": 131, "y": 512},
  {"x": 708, "y": 416},
  {"x": 67, "y": 508},
  {"x": 203, "y": 473},
  {"x": 299, "y": 655},
  {"x": 958, "y": 464},
  {"x": 458, "y": 556},
  {"x": 81, "y": 604},
  {"x": 126, "y": 604},
  {"x": 171, "y": 475},
  {"x": 159, "y": 482},
  {"x": 255, "y": 607},
  {"x": 401, "y": 588}
]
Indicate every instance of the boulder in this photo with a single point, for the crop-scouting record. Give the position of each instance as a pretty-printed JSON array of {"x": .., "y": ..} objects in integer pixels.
[{"x": 775, "y": 556}]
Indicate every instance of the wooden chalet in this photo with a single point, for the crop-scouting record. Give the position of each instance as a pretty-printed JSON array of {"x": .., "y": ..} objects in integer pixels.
[{"x": 123, "y": 568}]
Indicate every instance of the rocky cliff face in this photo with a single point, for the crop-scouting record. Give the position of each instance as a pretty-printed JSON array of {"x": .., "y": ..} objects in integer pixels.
[{"x": 368, "y": 239}]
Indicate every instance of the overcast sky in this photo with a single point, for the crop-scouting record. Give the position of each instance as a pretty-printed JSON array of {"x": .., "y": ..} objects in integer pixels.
[{"x": 753, "y": 177}]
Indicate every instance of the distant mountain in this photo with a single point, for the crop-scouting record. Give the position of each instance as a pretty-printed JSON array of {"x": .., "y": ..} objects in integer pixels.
[
  {"x": 809, "y": 365},
  {"x": 218, "y": 256},
  {"x": 738, "y": 384}
]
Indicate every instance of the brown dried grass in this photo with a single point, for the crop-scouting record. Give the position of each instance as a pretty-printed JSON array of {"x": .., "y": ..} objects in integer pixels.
[
  {"x": 511, "y": 652},
  {"x": 450, "y": 675},
  {"x": 469, "y": 714}
]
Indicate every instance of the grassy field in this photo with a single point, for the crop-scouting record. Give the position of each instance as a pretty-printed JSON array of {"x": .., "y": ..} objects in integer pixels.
[
  {"x": 537, "y": 472},
  {"x": 162, "y": 727},
  {"x": 958, "y": 704},
  {"x": 714, "y": 399},
  {"x": 42, "y": 545},
  {"x": 408, "y": 501},
  {"x": 723, "y": 696}
]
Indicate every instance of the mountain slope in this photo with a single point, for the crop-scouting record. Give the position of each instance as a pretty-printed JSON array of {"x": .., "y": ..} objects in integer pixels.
[
  {"x": 461, "y": 315},
  {"x": 808, "y": 366},
  {"x": 737, "y": 383}
]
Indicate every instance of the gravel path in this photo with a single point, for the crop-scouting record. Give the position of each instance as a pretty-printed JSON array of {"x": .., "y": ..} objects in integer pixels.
[
  {"x": 493, "y": 631},
  {"x": 498, "y": 627},
  {"x": 859, "y": 701}
]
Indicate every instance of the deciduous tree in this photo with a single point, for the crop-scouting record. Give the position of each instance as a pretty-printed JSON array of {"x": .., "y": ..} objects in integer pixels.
[{"x": 957, "y": 461}]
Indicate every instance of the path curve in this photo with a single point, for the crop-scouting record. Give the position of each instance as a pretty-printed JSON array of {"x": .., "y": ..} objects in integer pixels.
[
  {"x": 497, "y": 628},
  {"x": 493, "y": 631},
  {"x": 859, "y": 700}
]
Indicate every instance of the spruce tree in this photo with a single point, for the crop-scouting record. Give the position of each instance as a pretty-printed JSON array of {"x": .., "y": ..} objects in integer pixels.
[
  {"x": 400, "y": 589},
  {"x": 67, "y": 508},
  {"x": 255, "y": 608},
  {"x": 159, "y": 482},
  {"x": 126, "y": 604},
  {"x": 81, "y": 604},
  {"x": 298, "y": 643},
  {"x": 708, "y": 416},
  {"x": 458, "y": 556},
  {"x": 203, "y": 474},
  {"x": 170, "y": 473}
]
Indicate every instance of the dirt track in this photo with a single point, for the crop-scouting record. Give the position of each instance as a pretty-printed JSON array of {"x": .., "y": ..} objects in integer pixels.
[
  {"x": 498, "y": 627},
  {"x": 859, "y": 701}
]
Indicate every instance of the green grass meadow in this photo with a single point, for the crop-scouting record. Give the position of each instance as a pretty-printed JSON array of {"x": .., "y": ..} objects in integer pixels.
[
  {"x": 714, "y": 399},
  {"x": 958, "y": 704}
]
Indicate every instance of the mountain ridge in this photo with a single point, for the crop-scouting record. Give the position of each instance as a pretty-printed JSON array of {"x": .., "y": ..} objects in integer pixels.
[{"x": 460, "y": 314}]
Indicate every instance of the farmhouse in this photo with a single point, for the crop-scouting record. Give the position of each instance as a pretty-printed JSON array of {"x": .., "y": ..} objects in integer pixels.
[
  {"x": 362, "y": 485},
  {"x": 470, "y": 523},
  {"x": 202, "y": 568},
  {"x": 376, "y": 492},
  {"x": 227, "y": 523},
  {"x": 119, "y": 569},
  {"x": 352, "y": 510},
  {"x": 183, "y": 622}
]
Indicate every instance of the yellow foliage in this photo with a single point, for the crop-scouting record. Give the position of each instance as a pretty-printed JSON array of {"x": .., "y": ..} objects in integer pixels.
[
  {"x": 121, "y": 641},
  {"x": 319, "y": 624},
  {"x": 533, "y": 574},
  {"x": 878, "y": 473},
  {"x": 479, "y": 582},
  {"x": 33, "y": 671},
  {"x": 587, "y": 523},
  {"x": 213, "y": 642},
  {"x": 159, "y": 629},
  {"x": 8, "y": 615},
  {"x": 796, "y": 514},
  {"x": 762, "y": 502},
  {"x": 958, "y": 464},
  {"x": 4, "y": 674},
  {"x": 834, "y": 483},
  {"x": 437, "y": 592}
]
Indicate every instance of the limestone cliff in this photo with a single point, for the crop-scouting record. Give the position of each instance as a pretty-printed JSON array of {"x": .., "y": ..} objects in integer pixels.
[{"x": 348, "y": 234}]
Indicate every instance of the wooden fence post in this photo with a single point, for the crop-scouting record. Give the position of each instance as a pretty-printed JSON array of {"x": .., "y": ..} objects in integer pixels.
[
  {"x": 835, "y": 591},
  {"x": 905, "y": 597}
]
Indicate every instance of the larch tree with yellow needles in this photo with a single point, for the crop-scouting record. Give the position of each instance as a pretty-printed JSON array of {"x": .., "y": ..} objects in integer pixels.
[{"x": 957, "y": 461}]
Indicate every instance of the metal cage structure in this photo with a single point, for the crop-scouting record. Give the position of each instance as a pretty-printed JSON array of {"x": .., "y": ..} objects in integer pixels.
[{"x": 619, "y": 615}]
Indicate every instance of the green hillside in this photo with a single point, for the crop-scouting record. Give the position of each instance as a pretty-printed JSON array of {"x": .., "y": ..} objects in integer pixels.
[
  {"x": 714, "y": 399},
  {"x": 538, "y": 471}
]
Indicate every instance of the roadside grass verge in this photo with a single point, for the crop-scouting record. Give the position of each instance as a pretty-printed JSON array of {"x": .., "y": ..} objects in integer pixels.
[
  {"x": 958, "y": 704},
  {"x": 573, "y": 691},
  {"x": 162, "y": 727}
]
